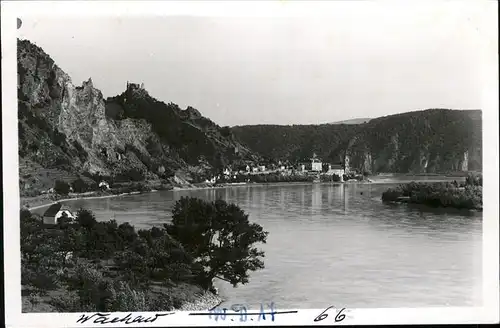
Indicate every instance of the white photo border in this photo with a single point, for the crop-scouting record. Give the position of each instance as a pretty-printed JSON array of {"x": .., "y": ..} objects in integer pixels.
[{"x": 487, "y": 38}]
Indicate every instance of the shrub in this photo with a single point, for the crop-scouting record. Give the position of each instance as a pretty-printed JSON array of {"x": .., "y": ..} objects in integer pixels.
[
  {"x": 123, "y": 298},
  {"x": 474, "y": 179},
  {"x": 61, "y": 187},
  {"x": 30, "y": 193},
  {"x": 443, "y": 194},
  {"x": 79, "y": 185},
  {"x": 64, "y": 221},
  {"x": 90, "y": 286},
  {"x": 132, "y": 174},
  {"x": 85, "y": 219},
  {"x": 391, "y": 195}
]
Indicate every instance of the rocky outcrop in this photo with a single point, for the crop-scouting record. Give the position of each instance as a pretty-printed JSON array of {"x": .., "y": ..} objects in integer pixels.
[{"x": 73, "y": 129}]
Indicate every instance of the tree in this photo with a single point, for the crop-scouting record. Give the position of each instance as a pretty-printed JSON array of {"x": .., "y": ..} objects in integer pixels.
[
  {"x": 61, "y": 187},
  {"x": 86, "y": 218},
  {"x": 474, "y": 179},
  {"x": 219, "y": 237},
  {"x": 79, "y": 185},
  {"x": 64, "y": 221}
]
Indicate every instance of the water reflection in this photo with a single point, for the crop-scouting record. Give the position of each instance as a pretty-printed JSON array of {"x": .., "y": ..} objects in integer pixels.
[
  {"x": 341, "y": 240},
  {"x": 316, "y": 198}
]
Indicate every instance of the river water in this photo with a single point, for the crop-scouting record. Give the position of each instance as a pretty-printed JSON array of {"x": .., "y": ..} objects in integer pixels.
[{"x": 337, "y": 245}]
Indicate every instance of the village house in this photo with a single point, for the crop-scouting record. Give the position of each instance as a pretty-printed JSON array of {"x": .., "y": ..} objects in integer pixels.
[
  {"x": 103, "y": 185},
  {"x": 55, "y": 212},
  {"x": 336, "y": 169},
  {"x": 212, "y": 180},
  {"x": 316, "y": 164}
]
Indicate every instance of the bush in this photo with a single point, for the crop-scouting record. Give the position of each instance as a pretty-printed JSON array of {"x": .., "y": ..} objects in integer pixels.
[
  {"x": 330, "y": 178},
  {"x": 85, "y": 219},
  {"x": 474, "y": 179},
  {"x": 391, "y": 195},
  {"x": 30, "y": 193},
  {"x": 41, "y": 259},
  {"x": 79, "y": 185},
  {"x": 443, "y": 194},
  {"x": 132, "y": 174},
  {"x": 90, "y": 286},
  {"x": 61, "y": 187},
  {"x": 273, "y": 178},
  {"x": 64, "y": 221},
  {"x": 123, "y": 298}
]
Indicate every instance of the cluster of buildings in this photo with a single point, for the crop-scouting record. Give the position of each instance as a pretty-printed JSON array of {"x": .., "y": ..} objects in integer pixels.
[
  {"x": 317, "y": 166},
  {"x": 313, "y": 166}
]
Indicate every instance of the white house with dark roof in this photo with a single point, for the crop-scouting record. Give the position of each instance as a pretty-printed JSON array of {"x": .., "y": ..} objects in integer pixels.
[
  {"x": 316, "y": 164},
  {"x": 55, "y": 212},
  {"x": 103, "y": 185},
  {"x": 337, "y": 169}
]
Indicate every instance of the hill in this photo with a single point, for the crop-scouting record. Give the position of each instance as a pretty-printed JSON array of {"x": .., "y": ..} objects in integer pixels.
[
  {"x": 66, "y": 131},
  {"x": 353, "y": 121},
  {"x": 427, "y": 141}
]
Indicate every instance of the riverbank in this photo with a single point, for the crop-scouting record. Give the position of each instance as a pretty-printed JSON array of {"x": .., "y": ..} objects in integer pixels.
[
  {"x": 42, "y": 201},
  {"x": 45, "y": 200}
]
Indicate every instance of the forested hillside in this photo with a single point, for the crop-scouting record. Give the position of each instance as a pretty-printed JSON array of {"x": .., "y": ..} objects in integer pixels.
[{"x": 428, "y": 141}]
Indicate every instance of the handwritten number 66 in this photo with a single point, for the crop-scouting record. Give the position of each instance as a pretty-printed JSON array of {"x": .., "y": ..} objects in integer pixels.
[{"x": 339, "y": 317}]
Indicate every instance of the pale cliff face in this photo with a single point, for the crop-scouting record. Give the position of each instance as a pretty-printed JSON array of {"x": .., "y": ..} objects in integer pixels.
[
  {"x": 66, "y": 127},
  {"x": 83, "y": 119},
  {"x": 78, "y": 113}
]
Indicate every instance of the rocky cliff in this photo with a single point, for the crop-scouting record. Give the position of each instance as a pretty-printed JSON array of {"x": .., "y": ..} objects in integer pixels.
[
  {"x": 428, "y": 141},
  {"x": 67, "y": 130}
]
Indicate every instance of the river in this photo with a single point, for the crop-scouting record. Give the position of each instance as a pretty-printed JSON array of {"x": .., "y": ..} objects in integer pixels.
[{"x": 337, "y": 245}]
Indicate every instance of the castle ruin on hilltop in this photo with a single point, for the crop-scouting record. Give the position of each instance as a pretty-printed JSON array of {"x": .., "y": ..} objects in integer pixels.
[
  {"x": 136, "y": 89},
  {"x": 135, "y": 86}
]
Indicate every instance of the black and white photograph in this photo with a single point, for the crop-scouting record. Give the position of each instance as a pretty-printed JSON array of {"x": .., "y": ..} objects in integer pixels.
[{"x": 234, "y": 164}]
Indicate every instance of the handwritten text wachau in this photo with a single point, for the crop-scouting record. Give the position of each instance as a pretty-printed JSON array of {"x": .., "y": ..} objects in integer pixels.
[{"x": 104, "y": 318}]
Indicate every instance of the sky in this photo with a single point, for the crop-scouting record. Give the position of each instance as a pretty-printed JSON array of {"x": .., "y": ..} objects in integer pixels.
[{"x": 362, "y": 60}]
